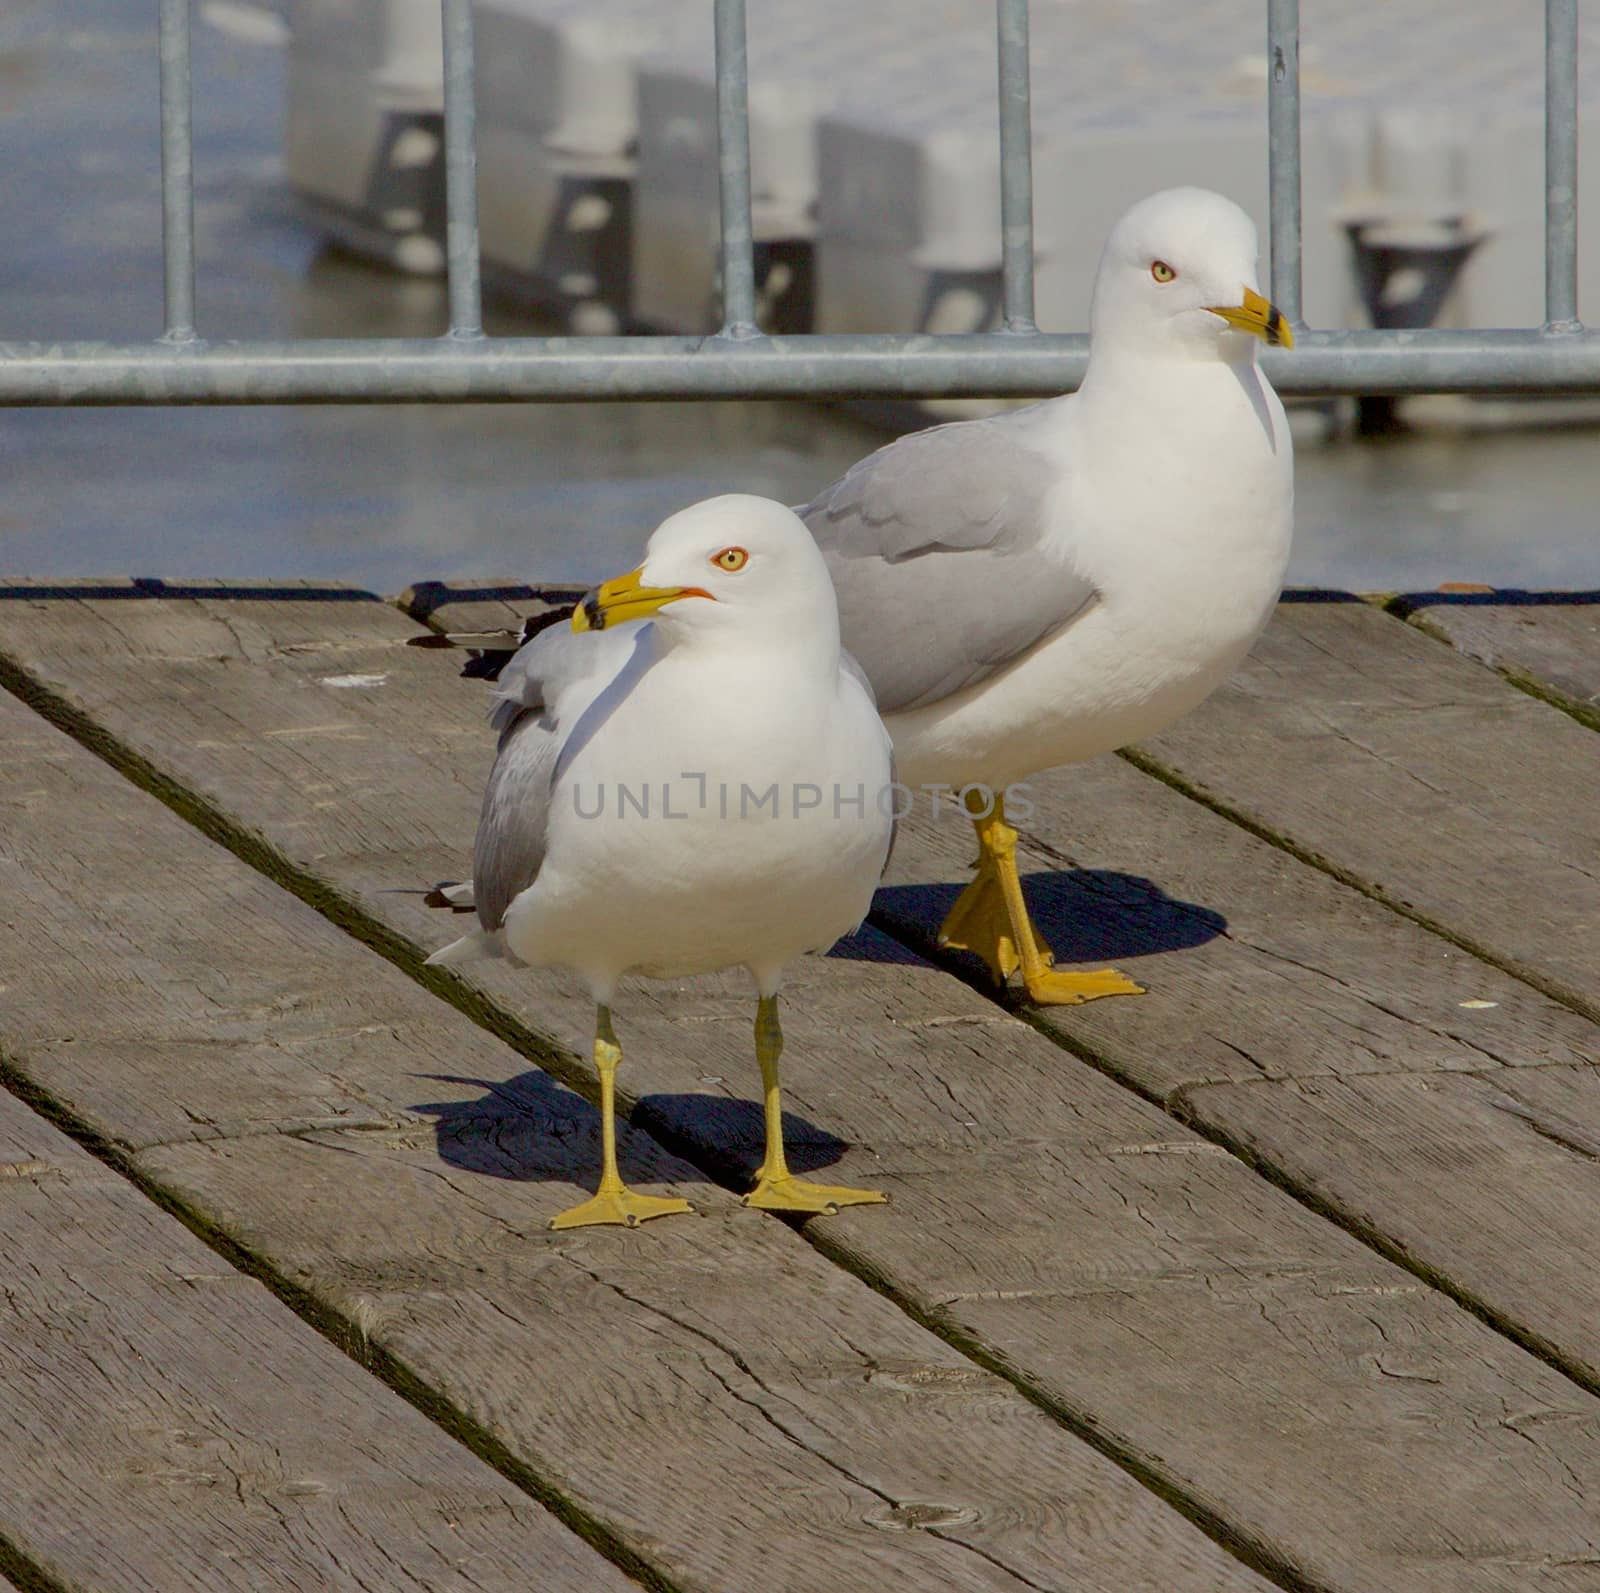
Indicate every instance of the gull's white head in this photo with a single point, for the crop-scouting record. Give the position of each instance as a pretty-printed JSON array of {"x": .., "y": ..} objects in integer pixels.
[
  {"x": 731, "y": 565},
  {"x": 1178, "y": 275}
]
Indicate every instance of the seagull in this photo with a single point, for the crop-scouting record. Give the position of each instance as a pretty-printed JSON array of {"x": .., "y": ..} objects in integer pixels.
[
  {"x": 690, "y": 777},
  {"x": 1049, "y": 584}
]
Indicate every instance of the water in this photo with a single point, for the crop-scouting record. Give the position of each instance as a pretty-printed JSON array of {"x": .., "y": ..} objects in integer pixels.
[{"x": 382, "y": 496}]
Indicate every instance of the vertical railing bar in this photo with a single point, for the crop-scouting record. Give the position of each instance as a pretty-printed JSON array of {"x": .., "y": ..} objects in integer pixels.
[
  {"x": 1016, "y": 166},
  {"x": 733, "y": 167},
  {"x": 177, "y": 171},
  {"x": 1561, "y": 163},
  {"x": 461, "y": 171},
  {"x": 1283, "y": 154}
]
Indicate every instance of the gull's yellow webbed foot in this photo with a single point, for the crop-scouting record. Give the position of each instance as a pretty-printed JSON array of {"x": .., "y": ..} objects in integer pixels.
[
  {"x": 990, "y": 918},
  {"x": 788, "y": 1193},
  {"x": 619, "y": 1206},
  {"x": 1061, "y": 987},
  {"x": 613, "y": 1202},
  {"x": 776, "y": 1188}
]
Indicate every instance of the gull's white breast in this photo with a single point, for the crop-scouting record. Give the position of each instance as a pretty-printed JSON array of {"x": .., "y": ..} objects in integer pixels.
[{"x": 668, "y": 855}]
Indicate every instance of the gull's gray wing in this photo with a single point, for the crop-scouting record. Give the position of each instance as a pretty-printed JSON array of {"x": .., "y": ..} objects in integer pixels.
[
  {"x": 509, "y": 850},
  {"x": 539, "y": 695},
  {"x": 516, "y": 802},
  {"x": 938, "y": 550}
]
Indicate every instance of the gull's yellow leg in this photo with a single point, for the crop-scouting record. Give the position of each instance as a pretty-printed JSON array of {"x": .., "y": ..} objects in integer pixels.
[
  {"x": 777, "y": 1189},
  {"x": 990, "y": 918},
  {"x": 614, "y": 1202}
]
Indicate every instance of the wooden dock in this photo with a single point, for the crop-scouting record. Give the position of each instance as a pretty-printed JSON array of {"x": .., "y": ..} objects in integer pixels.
[{"x": 1284, "y": 1275}]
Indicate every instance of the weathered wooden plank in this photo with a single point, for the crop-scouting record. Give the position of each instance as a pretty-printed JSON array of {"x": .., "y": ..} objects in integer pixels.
[
  {"x": 1134, "y": 1276},
  {"x": 826, "y": 1430},
  {"x": 712, "y": 1393},
  {"x": 1413, "y": 770},
  {"x": 168, "y": 1424},
  {"x": 1504, "y": 1177},
  {"x": 1546, "y": 641}
]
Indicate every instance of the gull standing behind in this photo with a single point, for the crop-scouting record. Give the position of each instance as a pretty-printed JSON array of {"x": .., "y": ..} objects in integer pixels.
[
  {"x": 1053, "y": 583},
  {"x": 695, "y": 780}
]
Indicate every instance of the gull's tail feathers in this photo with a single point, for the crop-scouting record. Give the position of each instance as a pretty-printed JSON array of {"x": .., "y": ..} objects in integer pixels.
[{"x": 478, "y": 946}]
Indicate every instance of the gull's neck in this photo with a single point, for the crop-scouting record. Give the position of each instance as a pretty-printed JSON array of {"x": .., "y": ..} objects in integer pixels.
[
  {"x": 1117, "y": 363},
  {"x": 799, "y": 640},
  {"x": 1193, "y": 397}
]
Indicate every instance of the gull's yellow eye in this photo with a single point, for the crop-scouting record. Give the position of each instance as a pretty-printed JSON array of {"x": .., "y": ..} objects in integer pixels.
[
  {"x": 730, "y": 559},
  {"x": 1161, "y": 271}
]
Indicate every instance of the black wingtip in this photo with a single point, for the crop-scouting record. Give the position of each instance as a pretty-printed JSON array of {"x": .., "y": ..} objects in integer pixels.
[{"x": 486, "y": 664}]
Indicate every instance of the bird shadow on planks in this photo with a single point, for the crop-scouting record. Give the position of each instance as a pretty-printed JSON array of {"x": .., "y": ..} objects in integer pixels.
[
  {"x": 1085, "y": 914},
  {"x": 533, "y": 1129}
]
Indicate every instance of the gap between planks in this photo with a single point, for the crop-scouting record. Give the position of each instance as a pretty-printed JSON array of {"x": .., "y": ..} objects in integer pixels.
[{"x": 23, "y": 1574}]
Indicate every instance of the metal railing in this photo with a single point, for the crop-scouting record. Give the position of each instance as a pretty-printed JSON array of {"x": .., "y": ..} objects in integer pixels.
[{"x": 741, "y": 362}]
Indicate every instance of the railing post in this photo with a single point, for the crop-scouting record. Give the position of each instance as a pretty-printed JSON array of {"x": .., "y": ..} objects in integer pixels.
[
  {"x": 1283, "y": 154},
  {"x": 461, "y": 171},
  {"x": 177, "y": 172},
  {"x": 733, "y": 169},
  {"x": 1561, "y": 164},
  {"x": 1016, "y": 166}
]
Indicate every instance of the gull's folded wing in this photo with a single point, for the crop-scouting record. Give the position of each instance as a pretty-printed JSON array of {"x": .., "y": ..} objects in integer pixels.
[
  {"x": 948, "y": 556},
  {"x": 539, "y": 696}
]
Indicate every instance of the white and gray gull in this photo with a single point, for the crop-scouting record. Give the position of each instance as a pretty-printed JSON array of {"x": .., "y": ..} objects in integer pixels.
[
  {"x": 691, "y": 777},
  {"x": 1055, "y": 582}
]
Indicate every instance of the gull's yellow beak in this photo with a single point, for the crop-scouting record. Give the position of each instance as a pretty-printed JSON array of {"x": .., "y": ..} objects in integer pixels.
[
  {"x": 1259, "y": 316},
  {"x": 625, "y": 598}
]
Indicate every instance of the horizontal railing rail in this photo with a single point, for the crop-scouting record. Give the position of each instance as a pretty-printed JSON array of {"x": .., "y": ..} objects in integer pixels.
[
  {"x": 603, "y": 369},
  {"x": 465, "y": 365}
]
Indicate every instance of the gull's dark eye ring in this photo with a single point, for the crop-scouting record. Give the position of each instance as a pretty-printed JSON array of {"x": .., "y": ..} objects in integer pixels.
[
  {"x": 730, "y": 559},
  {"x": 1161, "y": 271}
]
